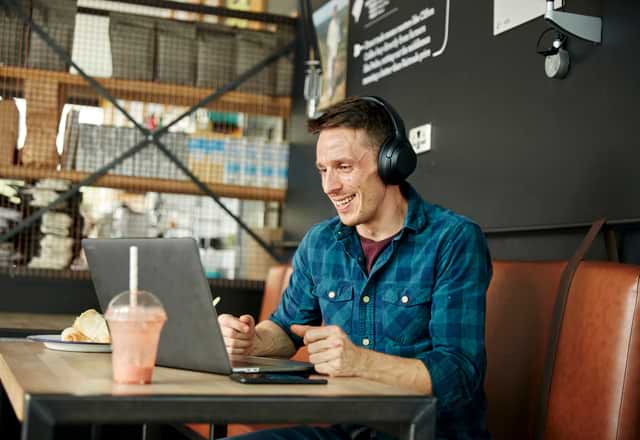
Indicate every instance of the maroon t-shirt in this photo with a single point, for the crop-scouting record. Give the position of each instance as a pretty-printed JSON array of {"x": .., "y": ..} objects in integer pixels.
[{"x": 372, "y": 249}]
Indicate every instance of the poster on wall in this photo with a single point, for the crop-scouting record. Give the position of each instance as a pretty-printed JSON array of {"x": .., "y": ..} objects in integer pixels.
[
  {"x": 331, "y": 21},
  {"x": 508, "y": 14},
  {"x": 388, "y": 38}
]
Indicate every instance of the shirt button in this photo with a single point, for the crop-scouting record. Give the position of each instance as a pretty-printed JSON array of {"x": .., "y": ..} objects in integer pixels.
[
  {"x": 365, "y": 299},
  {"x": 404, "y": 299},
  {"x": 332, "y": 294},
  {"x": 365, "y": 342}
]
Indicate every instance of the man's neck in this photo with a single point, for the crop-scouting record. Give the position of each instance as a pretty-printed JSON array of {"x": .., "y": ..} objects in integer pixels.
[{"x": 389, "y": 218}]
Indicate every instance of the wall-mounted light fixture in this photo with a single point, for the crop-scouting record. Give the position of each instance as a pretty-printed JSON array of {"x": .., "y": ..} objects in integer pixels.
[
  {"x": 581, "y": 26},
  {"x": 556, "y": 57},
  {"x": 557, "y": 60},
  {"x": 313, "y": 71}
]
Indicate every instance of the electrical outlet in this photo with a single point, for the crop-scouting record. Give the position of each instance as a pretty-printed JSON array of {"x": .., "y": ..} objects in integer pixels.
[{"x": 420, "y": 138}]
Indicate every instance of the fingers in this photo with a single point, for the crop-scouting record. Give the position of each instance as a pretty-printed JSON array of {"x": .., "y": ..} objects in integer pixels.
[
  {"x": 300, "y": 330},
  {"x": 325, "y": 356},
  {"x": 236, "y": 350},
  {"x": 330, "y": 349},
  {"x": 238, "y": 339},
  {"x": 314, "y": 334},
  {"x": 236, "y": 346},
  {"x": 324, "y": 344},
  {"x": 332, "y": 368},
  {"x": 248, "y": 319},
  {"x": 311, "y": 334},
  {"x": 238, "y": 333},
  {"x": 240, "y": 325}
]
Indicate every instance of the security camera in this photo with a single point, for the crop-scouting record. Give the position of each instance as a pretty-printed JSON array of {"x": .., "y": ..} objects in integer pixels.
[{"x": 581, "y": 26}]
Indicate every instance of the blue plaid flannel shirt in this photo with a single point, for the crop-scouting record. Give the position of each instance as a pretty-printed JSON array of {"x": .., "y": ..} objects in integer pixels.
[{"x": 425, "y": 299}]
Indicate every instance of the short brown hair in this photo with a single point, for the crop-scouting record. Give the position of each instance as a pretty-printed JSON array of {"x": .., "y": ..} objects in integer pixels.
[{"x": 355, "y": 113}]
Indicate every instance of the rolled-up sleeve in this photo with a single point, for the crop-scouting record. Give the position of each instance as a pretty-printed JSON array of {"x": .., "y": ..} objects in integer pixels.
[
  {"x": 457, "y": 361},
  {"x": 298, "y": 304}
]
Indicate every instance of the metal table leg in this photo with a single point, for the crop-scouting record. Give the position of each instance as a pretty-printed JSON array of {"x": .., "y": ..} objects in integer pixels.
[
  {"x": 217, "y": 431},
  {"x": 38, "y": 423}
]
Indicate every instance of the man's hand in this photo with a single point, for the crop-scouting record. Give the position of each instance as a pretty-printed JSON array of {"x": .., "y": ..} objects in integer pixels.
[
  {"x": 239, "y": 333},
  {"x": 331, "y": 351}
]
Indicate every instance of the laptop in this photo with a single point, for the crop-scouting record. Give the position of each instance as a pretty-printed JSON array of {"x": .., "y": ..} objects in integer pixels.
[{"x": 171, "y": 269}]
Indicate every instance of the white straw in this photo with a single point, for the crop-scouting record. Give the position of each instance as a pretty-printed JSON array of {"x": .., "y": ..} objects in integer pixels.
[{"x": 133, "y": 276}]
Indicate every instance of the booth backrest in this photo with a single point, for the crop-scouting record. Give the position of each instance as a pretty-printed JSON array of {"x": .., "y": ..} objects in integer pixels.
[
  {"x": 520, "y": 300},
  {"x": 595, "y": 388},
  {"x": 277, "y": 280}
]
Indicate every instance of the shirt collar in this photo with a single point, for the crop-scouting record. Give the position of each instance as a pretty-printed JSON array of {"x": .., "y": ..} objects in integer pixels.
[
  {"x": 342, "y": 231},
  {"x": 415, "y": 219}
]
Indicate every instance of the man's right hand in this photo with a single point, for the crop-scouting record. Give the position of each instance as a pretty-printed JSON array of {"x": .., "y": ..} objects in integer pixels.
[{"x": 239, "y": 333}]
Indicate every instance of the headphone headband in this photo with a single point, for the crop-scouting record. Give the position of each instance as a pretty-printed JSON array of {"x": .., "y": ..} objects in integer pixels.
[
  {"x": 396, "y": 158},
  {"x": 396, "y": 120}
]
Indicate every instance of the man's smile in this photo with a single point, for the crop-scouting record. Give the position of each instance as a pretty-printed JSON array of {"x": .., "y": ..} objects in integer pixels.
[{"x": 344, "y": 202}]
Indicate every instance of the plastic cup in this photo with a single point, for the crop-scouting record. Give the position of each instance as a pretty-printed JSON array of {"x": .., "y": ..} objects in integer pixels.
[{"x": 135, "y": 333}]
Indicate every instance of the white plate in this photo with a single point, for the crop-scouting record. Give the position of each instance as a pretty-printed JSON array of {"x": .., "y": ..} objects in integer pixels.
[{"x": 55, "y": 343}]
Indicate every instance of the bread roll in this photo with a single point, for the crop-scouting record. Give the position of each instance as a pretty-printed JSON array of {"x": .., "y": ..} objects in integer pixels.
[
  {"x": 71, "y": 334},
  {"x": 90, "y": 326},
  {"x": 93, "y": 326}
]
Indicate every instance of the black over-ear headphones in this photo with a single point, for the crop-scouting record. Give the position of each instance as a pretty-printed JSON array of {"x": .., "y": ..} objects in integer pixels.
[{"x": 396, "y": 159}]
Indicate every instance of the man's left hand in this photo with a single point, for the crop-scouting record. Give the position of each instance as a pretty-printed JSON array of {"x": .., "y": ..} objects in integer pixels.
[{"x": 331, "y": 351}]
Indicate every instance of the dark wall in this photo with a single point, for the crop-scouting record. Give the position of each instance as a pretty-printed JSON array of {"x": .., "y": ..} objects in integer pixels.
[{"x": 511, "y": 148}]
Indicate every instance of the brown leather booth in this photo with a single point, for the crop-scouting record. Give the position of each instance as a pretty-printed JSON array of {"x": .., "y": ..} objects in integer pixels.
[{"x": 595, "y": 386}]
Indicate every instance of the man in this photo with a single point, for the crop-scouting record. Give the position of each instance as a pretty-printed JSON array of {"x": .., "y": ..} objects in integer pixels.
[{"x": 392, "y": 289}]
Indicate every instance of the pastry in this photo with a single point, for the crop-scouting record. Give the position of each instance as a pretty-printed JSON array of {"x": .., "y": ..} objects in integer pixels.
[
  {"x": 91, "y": 326},
  {"x": 71, "y": 334}
]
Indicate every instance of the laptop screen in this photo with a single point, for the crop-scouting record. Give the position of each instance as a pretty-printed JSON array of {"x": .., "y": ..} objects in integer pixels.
[{"x": 170, "y": 268}]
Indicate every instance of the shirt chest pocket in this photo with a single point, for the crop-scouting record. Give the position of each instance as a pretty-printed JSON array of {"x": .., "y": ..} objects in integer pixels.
[
  {"x": 406, "y": 313},
  {"x": 336, "y": 303}
]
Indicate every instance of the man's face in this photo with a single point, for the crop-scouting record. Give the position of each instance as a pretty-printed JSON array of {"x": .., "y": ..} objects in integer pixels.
[{"x": 348, "y": 167}]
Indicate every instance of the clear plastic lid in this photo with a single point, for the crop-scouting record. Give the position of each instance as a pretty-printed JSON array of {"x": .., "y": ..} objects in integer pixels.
[{"x": 142, "y": 305}]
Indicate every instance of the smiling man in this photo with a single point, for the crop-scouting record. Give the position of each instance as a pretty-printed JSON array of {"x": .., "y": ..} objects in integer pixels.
[{"x": 392, "y": 289}]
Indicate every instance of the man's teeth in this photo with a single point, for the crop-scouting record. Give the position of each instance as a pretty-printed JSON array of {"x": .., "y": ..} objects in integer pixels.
[{"x": 344, "y": 201}]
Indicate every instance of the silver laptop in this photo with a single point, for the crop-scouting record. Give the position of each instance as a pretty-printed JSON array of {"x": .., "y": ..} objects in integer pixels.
[{"x": 171, "y": 269}]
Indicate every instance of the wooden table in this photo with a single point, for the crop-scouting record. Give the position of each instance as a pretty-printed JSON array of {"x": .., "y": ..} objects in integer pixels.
[
  {"x": 23, "y": 324},
  {"x": 48, "y": 387}
]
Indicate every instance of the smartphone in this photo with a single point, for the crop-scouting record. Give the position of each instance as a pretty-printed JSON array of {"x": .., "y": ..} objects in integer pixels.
[{"x": 277, "y": 378}]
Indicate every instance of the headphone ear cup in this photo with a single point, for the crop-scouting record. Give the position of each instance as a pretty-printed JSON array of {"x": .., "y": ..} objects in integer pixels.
[
  {"x": 396, "y": 161},
  {"x": 384, "y": 162},
  {"x": 404, "y": 162}
]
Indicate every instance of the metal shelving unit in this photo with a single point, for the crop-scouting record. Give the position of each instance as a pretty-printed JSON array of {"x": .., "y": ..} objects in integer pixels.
[{"x": 47, "y": 91}]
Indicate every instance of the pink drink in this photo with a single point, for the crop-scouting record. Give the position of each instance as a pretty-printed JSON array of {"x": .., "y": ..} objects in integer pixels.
[
  {"x": 135, "y": 333},
  {"x": 135, "y": 345}
]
